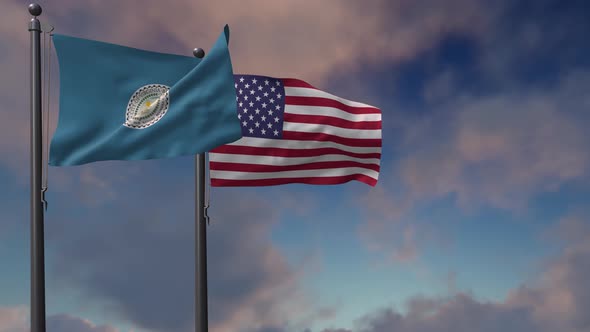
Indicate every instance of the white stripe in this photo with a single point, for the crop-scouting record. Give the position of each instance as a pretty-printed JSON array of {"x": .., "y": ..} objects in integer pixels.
[
  {"x": 231, "y": 175},
  {"x": 330, "y": 111},
  {"x": 331, "y": 130},
  {"x": 307, "y": 92},
  {"x": 299, "y": 145},
  {"x": 284, "y": 161}
]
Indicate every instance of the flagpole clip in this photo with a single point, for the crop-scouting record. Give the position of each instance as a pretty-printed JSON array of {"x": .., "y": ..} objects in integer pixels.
[
  {"x": 43, "y": 201},
  {"x": 207, "y": 215}
]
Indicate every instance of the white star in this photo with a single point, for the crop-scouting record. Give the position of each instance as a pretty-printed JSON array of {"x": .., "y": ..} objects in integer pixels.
[
  {"x": 245, "y": 110},
  {"x": 257, "y": 124},
  {"x": 272, "y": 89},
  {"x": 251, "y": 130},
  {"x": 236, "y": 85},
  {"x": 241, "y": 104},
  {"x": 266, "y": 82},
  {"x": 251, "y": 92},
  {"x": 245, "y": 97},
  {"x": 269, "y": 125},
  {"x": 247, "y": 85},
  {"x": 251, "y": 117},
  {"x": 276, "y": 132},
  {"x": 263, "y": 105},
  {"x": 272, "y": 101},
  {"x": 257, "y": 111},
  {"x": 278, "y": 83},
  {"x": 269, "y": 112},
  {"x": 257, "y": 98},
  {"x": 241, "y": 91},
  {"x": 241, "y": 79},
  {"x": 260, "y": 88},
  {"x": 278, "y": 107},
  {"x": 266, "y": 94},
  {"x": 279, "y": 96},
  {"x": 251, "y": 104},
  {"x": 263, "y": 131},
  {"x": 263, "y": 118},
  {"x": 236, "y": 98},
  {"x": 254, "y": 81},
  {"x": 244, "y": 123},
  {"x": 277, "y": 119},
  {"x": 239, "y": 116}
]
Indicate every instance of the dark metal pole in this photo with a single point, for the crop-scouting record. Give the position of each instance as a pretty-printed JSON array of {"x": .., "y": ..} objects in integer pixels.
[
  {"x": 201, "y": 323},
  {"x": 201, "y": 313},
  {"x": 37, "y": 236}
]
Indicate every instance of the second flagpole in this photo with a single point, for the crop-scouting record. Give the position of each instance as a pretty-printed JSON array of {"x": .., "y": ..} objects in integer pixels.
[{"x": 201, "y": 312}]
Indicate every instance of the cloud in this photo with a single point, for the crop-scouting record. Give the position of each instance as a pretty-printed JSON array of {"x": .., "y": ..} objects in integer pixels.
[
  {"x": 313, "y": 38},
  {"x": 493, "y": 131},
  {"x": 457, "y": 314},
  {"x": 391, "y": 228},
  {"x": 500, "y": 150},
  {"x": 555, "y": 299},
  {"x": 309, "y": 40},
  {"x": 562, "y": 295},
  {"x": 138, "y": 264},
  {"x": 16, "y": 319},
  {"x": 94, "y": 185},
  {"x": 68, "y": 323},
  {"x": 14, "y": 90},
  {"x": 497, "y": 150},
  {"x": 538, "y": 40}
]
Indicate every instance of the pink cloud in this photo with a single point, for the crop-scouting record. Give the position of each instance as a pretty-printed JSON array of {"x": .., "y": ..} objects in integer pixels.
[
  {"x": 16, "y": 319},
  {"x": 67, "y": 323},
  {"x": 497, "y": 151},
  {"x": 500, "y": 150},
  {"x": 251, "y": 285},
  {"x": 309, "y": 40},
  {"x": 555, "y": 299},
  {"x": 306, "y": 40}
]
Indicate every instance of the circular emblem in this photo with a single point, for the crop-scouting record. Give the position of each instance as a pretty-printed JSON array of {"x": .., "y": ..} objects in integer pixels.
[{"x": 147, "y": 106}]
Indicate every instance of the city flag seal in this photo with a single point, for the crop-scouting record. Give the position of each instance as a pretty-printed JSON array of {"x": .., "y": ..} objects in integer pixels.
[{"x": 147, "y": 106}]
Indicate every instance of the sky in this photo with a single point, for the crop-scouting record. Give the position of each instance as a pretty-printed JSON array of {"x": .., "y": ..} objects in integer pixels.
[{"x": 479, "y": 221}]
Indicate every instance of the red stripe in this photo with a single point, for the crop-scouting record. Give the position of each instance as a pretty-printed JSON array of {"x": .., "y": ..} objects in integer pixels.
[
  {"x": 332, "y": 121},
  {"x": 325, "y": 102},
  {"x": 295, "y": 83},
  {"x": 237, "y": 167},
  {"x": 311, "y": 180},
  {"x": 304, "y": 136},
  {"x": 282, "y": 152}
]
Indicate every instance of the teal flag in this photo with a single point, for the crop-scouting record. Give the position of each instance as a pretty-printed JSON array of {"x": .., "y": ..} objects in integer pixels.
[{"x": 122, "y": 103}]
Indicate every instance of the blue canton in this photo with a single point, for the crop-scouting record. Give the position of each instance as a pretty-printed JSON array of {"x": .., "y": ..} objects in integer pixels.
[{"x": 261, "y": 105}]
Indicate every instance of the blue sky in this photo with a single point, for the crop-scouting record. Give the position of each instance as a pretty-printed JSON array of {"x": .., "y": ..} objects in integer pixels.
[{"x": 478, "y": 222}]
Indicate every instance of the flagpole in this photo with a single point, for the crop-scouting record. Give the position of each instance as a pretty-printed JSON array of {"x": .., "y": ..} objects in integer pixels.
[
  {"x": 36, "y": 166},
  {"x": 201, "y": 313}
]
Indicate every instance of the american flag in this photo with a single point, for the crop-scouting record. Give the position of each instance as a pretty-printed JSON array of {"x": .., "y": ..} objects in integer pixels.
[{"x": 295, "y": 133}]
